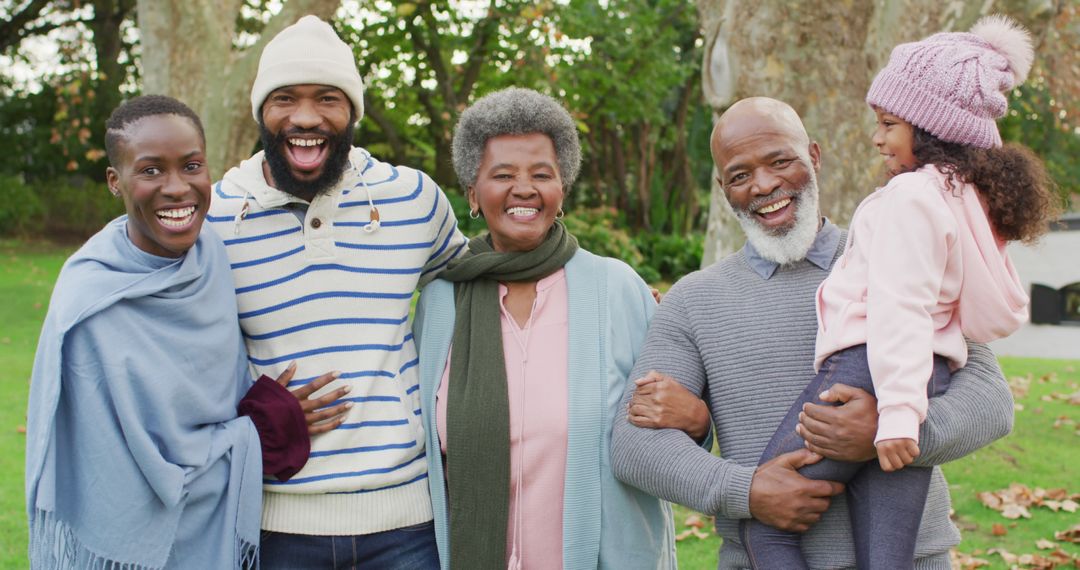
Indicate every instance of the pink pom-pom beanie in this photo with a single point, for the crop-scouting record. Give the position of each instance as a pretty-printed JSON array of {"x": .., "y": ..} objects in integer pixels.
[
  {"x": 953, "y": 85},
  {"x": 307, "y": 52}
]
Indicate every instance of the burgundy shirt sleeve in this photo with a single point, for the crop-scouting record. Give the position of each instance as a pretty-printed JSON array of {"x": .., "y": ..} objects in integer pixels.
[{"x": 283, "y": 432}]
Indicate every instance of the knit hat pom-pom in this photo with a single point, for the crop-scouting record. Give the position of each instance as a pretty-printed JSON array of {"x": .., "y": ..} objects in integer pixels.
[{"x": 1010, "y": 40}]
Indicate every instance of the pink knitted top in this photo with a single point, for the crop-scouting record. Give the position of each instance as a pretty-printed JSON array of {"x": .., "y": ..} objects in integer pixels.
[
  {"x": 536, "y": 375},
  {"x": 921, "y": 270}
]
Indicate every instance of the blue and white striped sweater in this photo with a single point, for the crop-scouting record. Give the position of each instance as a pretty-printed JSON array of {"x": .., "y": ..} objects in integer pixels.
[{"x": 333, "y": 296}]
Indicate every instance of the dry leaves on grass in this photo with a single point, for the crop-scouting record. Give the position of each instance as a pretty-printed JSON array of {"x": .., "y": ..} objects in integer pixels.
[
  {"x": 965, "y": 561},
  {"x": 1014, "y": 502},
  {"x": 1019, "y": 386},
  {"x": 1071, "y": 399},
  {"x": 699, "y": 527},
  {"x": 1056, "y": 559},
  {"x": 1072, "y": 535}
]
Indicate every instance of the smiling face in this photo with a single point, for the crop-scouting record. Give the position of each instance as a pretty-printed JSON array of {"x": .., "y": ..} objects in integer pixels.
[
  {"x": 518, "y": 190},
  {"x": 162, "y": 176},
  {"x": 306, "y": 133},
  {"x": 894, "y": 139},
  {"x": 764, "y": 164}
]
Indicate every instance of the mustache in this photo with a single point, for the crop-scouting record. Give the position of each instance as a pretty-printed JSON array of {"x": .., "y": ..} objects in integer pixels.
[{"x": 296, "y": 131}]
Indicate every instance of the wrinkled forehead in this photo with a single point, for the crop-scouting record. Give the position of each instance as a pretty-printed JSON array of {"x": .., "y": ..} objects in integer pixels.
[{"x": 749, "y": 140}]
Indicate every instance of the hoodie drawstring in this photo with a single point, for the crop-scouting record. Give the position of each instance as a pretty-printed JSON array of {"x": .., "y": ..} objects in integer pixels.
[{"x": 242, "y": 213}]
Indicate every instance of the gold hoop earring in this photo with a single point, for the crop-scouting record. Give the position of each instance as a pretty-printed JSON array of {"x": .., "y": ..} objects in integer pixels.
[
  {"x": 474, "y": 214},
  {"x": 560, "y": 214}
]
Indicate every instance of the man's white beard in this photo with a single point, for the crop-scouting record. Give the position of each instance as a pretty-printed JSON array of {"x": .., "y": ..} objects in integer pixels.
[{"x": 793, "y": 244}]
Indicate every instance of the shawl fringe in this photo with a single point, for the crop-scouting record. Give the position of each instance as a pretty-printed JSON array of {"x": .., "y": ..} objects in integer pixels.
[{"x": 53, "y": 544}]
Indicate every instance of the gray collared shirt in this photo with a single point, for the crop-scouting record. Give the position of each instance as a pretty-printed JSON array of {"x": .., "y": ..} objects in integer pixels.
[{"x": 821, "y": 252}]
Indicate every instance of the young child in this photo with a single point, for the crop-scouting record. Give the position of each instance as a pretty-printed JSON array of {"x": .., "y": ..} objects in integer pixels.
[
  {"x": 135, "y": 456},
  {"x": 924, "y": 267}
]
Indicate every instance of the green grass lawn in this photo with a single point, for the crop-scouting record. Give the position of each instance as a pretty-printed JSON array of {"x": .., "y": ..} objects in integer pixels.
[{"x": 1037, "y": 454}]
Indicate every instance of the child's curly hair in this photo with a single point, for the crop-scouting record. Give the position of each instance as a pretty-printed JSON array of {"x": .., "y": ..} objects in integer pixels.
[{"x": 1014, "y": 182}]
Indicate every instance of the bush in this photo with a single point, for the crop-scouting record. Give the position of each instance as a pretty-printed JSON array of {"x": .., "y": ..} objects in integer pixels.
[
  {"x": 20, "y": 207},
  {"x": 672, "y": 256},
  {"x": 62, "y": 209},
  {"x": 599, "y": 231},
  {"x": 78, "y": 208}
]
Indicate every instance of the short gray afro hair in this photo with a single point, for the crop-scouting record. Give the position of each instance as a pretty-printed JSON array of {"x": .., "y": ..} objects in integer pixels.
[{"x": 515, "y": 111}]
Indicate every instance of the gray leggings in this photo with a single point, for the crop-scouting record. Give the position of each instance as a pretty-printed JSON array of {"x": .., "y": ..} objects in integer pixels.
[{"x": 885, "y": 508}]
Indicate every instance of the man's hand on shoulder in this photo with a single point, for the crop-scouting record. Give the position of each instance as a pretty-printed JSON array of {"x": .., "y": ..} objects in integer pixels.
[
  {"x": 782, "y": 498},
  {"x": 844, "y": 431}
]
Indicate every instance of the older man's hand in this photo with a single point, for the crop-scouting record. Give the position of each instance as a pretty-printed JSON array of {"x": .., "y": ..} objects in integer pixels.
[
  {"x": 844, "y": 432},
  {"x": 659, "y": 401},
  {"x": 782, "y": 498}
]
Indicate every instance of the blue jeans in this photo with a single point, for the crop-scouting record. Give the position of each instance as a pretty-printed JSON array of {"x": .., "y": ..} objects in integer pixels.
[
  {"x": 885, "y": 508},
  {"x": 412, "y": 547}
]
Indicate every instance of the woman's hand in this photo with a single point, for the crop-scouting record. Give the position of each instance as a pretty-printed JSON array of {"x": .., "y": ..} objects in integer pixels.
[
  {"x": 314, "y": 413},
  {"x": 661, "y": 402}
]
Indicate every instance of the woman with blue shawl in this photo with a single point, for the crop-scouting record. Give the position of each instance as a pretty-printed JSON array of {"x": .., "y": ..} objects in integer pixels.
[{"x": 135, "y": 455}]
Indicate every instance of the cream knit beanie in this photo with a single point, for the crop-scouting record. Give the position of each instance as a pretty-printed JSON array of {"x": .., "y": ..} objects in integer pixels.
[{"x": 307, "y": 52}]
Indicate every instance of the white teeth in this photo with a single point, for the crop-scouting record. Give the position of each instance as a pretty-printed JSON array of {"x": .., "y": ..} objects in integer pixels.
[
  {"x": 306, "y": 142},
  {"x": 519, "y": 211},
  {"x": 775, "y": 206},
  {"x": 176, "y": 217}
]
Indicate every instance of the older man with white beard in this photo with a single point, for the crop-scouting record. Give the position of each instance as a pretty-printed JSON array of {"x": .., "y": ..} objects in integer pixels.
[{"x": 735, "y": 343}]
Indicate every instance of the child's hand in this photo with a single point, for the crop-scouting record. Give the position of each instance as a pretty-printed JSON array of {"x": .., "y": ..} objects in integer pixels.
[{"x": 894, "y": 454}]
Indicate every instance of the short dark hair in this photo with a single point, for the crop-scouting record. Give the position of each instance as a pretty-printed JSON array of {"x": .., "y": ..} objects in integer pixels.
[{"x": 138, "y": 108}]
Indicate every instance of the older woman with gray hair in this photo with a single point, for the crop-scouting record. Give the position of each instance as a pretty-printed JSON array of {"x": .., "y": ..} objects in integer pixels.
[{"x": 525, "y": 346}]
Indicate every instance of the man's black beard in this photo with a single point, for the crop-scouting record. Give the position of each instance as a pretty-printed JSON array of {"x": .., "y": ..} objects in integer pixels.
[{"x": 338, "y": 157}]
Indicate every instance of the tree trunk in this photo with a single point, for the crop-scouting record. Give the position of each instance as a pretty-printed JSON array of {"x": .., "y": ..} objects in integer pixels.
[
  {"x": 188, "y": 52},
  {"x": 820, "y": 56}
]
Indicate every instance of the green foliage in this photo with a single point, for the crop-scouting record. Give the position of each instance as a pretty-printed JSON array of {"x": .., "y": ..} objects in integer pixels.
[
  {"x": 77, "y": 207},
  {"x": 1034, "y": 121},
  {"x": 20, "y": 208},
  {"x": 671, "y": 256},
  {"x": 598, "y": 230},
  {"x": 626, "y": 70},
  {"x": 26, "y": 125},
  {"x": 65, "y": 208}
]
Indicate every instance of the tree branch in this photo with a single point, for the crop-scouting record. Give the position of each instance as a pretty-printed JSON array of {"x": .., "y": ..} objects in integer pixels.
[
  {"x": 433, "y": 53},
  {"x": 478, "y": 53},
  {"x": 13, "y": 30},
  {"x": 393, "y": 137}
]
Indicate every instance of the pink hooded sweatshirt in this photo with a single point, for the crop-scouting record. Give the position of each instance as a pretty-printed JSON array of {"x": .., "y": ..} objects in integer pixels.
[{"x": 921, "y": 270}]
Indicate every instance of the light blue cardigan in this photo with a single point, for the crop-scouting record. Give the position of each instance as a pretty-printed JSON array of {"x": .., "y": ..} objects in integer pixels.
[{"x": 606, "y": 524}]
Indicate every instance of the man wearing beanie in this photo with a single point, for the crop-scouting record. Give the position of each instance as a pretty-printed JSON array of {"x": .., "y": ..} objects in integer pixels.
[
  {"x": 740, "y": 334},
  {"x": 327, "y": 245}
]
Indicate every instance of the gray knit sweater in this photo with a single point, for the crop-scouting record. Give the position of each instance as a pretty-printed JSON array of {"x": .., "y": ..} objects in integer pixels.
[{"x": 746, "y": 345}]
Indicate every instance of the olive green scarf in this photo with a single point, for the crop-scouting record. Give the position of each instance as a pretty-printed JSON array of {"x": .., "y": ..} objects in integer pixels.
[{"x": 477, "y": 408}]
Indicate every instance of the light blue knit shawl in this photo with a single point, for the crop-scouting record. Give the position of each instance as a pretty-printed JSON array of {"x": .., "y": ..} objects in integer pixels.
[{"x": 135, "y": 457}]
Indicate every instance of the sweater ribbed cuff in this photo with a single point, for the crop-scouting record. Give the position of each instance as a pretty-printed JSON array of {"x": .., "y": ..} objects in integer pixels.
[
  {"x": 897, "y": 422},
  {"x": 735, "y": 492}
]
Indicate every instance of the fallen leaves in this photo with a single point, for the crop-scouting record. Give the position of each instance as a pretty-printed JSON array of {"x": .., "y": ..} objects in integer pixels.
[
  {"x": 698, "y": 527},
  {"x": 1056, "y": 559},
  {"x": 1072, "y": 535},
  {"x": 1014, "y": 502},
  {"x": 965, "y": 561}
]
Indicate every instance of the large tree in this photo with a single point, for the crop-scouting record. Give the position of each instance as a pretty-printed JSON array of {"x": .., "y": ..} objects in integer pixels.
[
  {"x": 195, "y": 51},
  {"x": 820, "y": 56}
]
